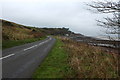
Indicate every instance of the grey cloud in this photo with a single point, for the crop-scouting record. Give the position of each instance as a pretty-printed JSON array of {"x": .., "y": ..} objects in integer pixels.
[{"x": 72, "y": 14}]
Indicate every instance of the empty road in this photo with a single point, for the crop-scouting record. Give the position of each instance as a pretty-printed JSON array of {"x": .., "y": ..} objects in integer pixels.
[{"x": 21, "y": 61}]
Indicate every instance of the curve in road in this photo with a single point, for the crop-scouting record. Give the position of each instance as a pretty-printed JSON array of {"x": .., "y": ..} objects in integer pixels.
[{"x": 21, "y": 61}]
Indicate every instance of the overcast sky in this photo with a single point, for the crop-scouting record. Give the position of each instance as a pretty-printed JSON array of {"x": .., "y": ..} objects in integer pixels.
[{"x": 72, "y": 14}]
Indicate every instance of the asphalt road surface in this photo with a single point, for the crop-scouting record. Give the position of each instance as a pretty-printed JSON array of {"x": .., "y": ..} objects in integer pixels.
[{"x": 21, "y": 61}]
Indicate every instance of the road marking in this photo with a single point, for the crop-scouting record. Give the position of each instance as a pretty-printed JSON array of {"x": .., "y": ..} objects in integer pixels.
[
  {"x": 41, "y": 43},
  {"x": 35, "y": 45},
  {"x": 29, "y": 48},
  {"x": 7, "y": 56},
  {"x": 26, "y": 49}
]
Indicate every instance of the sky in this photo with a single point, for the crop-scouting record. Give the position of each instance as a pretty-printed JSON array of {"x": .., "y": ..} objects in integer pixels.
[{"x": 72, "y": 14}]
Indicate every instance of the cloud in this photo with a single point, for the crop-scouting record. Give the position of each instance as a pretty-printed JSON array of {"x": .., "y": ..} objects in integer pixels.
[{"x": 51, "y": 13}]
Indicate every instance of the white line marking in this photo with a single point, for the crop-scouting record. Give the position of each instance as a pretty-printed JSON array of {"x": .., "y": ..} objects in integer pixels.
[
  {"x": 37, "y": 45},
  {"x": 40, "y": 43},
  {"x": 26, "y": 49},
  {"x": 7, "y": 56},
  {"x": 29, "y": 48}
]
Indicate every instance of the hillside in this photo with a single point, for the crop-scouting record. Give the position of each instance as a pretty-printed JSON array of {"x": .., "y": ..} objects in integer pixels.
[
  {"x": 13, "y": 31},
  {"x": 14, "y": 34}
]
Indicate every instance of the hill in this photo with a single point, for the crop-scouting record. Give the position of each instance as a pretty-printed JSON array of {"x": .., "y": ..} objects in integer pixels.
[{"x": 14, "y": 31}]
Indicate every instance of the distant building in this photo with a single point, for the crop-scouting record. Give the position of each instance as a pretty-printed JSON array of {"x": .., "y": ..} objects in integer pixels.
[{"x": 67, "y": 35}]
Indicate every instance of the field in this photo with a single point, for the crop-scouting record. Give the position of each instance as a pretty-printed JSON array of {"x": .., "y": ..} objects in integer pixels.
[
  {"x": 70, "y": 59},
  {"x": 91, "y": 62}
]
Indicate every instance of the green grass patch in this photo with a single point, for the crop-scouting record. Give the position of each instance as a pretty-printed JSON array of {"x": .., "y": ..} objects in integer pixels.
[
  {"x": 11, "y": 43},
  {"x": 55, "y": 65}
]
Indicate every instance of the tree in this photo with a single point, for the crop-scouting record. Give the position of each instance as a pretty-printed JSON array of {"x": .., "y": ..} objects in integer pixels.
[{"x": 111, "y": 24}]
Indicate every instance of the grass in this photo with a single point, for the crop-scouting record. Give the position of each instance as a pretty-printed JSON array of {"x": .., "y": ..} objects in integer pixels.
[
  {"x": 17, "y": 33},
  {"x": 70, "y": 59},
  {"x": 90, "y": 61},
  {"x": 11, "y": 43},
  {"x": 55, "y": 65}
]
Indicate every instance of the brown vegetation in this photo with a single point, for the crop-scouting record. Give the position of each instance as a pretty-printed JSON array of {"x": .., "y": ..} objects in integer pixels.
[
  {"x": 89, "y": 61},
  {"x": 13, "y": 31}
]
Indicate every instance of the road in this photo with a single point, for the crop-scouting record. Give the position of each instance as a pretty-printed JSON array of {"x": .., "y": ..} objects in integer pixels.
[{"x": 21, "y": 61}]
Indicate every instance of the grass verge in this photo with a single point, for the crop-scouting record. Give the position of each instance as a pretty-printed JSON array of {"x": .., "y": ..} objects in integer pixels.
[
  {"x": 11, "y": 43},
  {"x": 55, "y": 65},
  {"x": 70, "y": 59},
  {"x": 91, "y": 62}
]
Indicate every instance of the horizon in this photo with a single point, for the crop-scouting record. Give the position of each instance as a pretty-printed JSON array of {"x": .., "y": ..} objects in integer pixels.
[{"x": 72, "y": 14}]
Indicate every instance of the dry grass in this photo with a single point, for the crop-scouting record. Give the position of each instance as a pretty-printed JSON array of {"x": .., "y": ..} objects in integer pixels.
[
  {"x": 17, "y": 33},
  {"x": 90, "y": 61}
]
